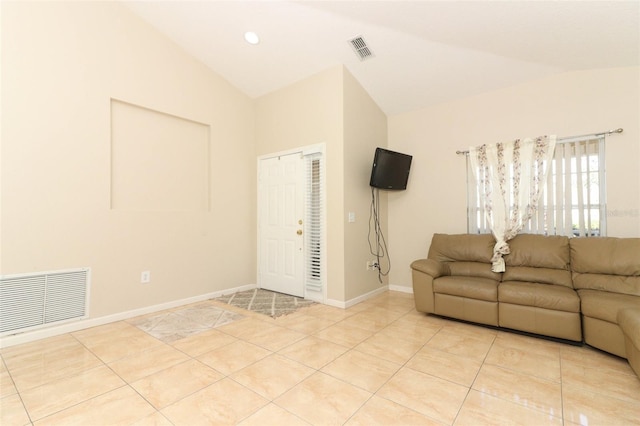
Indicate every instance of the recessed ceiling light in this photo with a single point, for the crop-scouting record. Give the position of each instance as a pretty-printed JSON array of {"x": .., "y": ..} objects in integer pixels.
[{"x": 251, "y": 37}]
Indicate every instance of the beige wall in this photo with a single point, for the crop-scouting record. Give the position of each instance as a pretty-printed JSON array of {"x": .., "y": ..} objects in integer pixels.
[
  {"x": 332, "y": 108},
  {"x": 365, "y": 128},
  {"x": 62, "y": 63},
  {"x": 568, "y": 104},
  {"x": 310, "y": 112}
]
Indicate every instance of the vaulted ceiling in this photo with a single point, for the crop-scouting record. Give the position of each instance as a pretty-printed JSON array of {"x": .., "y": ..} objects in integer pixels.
[{"x": 424, "y": 52}]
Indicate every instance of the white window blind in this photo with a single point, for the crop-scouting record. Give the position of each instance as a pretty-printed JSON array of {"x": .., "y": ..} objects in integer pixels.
[
  {"x": 573, "y": 200},
  {"x": 314, "y": 243}
]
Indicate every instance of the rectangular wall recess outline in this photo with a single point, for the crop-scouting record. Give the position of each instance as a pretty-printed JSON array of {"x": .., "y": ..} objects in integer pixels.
[{"x": 159, "y": 161}]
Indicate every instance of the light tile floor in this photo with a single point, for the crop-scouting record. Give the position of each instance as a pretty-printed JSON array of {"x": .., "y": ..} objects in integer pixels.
[{"x": 377, "y": 363}]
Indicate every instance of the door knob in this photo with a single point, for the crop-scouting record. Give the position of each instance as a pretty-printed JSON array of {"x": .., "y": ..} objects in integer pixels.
[{"x": 299, "y": 232}]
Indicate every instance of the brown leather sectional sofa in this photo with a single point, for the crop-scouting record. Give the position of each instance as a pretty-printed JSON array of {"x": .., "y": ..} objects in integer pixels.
[{"x": 577, "y": 289}]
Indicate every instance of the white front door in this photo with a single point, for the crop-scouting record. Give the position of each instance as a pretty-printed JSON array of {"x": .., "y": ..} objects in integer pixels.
[{"x": 280, "y": 215}]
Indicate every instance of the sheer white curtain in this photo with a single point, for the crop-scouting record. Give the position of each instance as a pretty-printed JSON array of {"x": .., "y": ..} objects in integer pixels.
[{"x": 510, "y": 177}]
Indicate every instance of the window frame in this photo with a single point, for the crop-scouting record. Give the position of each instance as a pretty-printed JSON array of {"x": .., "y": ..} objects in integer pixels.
[{"x": 552, "y": 216}]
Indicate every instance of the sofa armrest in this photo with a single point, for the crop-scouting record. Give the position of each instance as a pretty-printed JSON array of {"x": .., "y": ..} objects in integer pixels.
[
  {"x": 629, "y": 322},
  {"x": 423, "y": 272},
  {"x": 430, "y": 267}
]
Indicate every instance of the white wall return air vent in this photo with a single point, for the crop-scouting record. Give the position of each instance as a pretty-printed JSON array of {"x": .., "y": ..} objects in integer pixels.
[
  {"x": 360, "y": 47},
  {"x": 35, "y": 300}
]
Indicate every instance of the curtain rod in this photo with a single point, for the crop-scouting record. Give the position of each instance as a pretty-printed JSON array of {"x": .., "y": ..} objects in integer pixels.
[{"x": 608, "y": 132}]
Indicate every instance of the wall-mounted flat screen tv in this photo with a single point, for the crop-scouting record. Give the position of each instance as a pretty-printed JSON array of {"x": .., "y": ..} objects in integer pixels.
[{"x": 390, "y": 170}]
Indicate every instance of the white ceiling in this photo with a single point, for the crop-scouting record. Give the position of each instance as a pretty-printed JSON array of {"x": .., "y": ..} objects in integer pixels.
[{"x": 426, "y": 52}]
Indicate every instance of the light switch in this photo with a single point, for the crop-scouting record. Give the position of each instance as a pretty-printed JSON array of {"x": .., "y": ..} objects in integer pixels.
[{"x": 352, "y": 217}]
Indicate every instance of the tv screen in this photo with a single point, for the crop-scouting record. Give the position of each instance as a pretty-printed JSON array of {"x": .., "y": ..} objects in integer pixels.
[{"x": 390, "y": 170}]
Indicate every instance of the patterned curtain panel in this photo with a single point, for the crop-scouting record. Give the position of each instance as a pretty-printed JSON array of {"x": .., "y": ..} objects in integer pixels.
[{"x": 510, "y": 177}]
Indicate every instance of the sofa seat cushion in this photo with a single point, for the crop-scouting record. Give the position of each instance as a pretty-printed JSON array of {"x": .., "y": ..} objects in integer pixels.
[
  {"x": 472, "y": 269},
  {"x": 553, "y": 297},
  {"x": 604, "y": 305},
  {"x": 470, "y": 287},
  {"x": 538, "y": 275}
]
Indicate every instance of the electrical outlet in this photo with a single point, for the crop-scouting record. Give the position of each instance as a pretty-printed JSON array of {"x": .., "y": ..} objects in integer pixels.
[
  {"x": 145, "y": 277},
  {"x": 371, "y": 265}
]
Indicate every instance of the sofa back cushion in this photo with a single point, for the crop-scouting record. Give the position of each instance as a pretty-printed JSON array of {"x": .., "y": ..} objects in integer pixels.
[
  {"x": 539, "y": 259},
  {"x": 462, "y": 247},
  {"x": 606, "y": 263},
  {"x": 465, "y": 254}
]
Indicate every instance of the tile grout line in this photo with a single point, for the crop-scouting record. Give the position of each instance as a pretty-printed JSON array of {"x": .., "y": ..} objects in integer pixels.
[
  {"x": 470, "y": 388},
  {"x": 404, "y": 366},
  {"x": 406, "y": 315},
  {"x": 13, "y": 382}
]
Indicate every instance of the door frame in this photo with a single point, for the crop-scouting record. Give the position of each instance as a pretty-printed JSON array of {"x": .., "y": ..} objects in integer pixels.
[{"x": 305, "y": 151}]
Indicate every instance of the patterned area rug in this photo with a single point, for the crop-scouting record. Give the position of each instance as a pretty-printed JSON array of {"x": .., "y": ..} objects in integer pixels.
[
  {"x": 173, "y": 325},
  {"x": 265, "y": 302}
]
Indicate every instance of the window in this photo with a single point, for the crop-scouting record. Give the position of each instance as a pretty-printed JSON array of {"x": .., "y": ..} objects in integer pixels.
[{"x": 573, "y": 200}]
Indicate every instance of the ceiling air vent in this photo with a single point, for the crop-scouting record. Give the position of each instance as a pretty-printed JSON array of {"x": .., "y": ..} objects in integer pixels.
[{"x": 360, "y": 47}]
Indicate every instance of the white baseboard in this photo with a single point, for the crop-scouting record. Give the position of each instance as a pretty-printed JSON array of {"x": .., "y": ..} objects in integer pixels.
[
  {"x": 355, "y": 301},
  {"x": 401, "y": 288},
  {"x": 30, "y": 336}
]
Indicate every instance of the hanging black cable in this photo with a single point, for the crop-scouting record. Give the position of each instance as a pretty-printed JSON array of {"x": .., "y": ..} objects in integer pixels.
[{"x": 380, "y": 251}]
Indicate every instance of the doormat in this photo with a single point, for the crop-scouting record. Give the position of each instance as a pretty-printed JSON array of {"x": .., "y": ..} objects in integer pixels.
[
  {"x": 265, "y": 302},
  {"x": 172, "y": 325}
]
